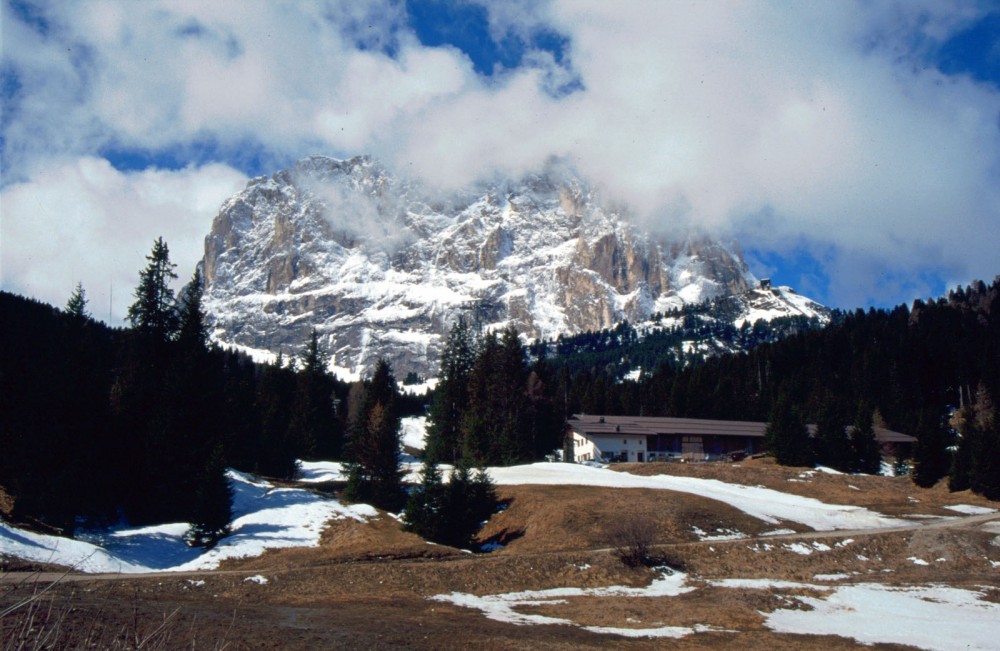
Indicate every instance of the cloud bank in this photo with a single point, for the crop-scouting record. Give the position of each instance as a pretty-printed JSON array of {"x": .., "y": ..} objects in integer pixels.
[{"x": 815, "y": 131}]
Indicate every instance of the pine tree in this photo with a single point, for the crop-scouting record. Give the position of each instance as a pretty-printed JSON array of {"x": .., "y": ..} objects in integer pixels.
[
  {"x": 192, "y": 329},
  {"x": 931, "y": 452},
  {"x": 832, "y": 442},
  {"x": 314, "y": 429},
  {"x": 153, "y": 314},
  {"x": 787, "y": 436},
  {"x": 425, "y": 505},
  {"x": 451, "y": 395},
  {"x": 960, "y": 477},
  {"x": 867, "y": 456},
  {"x": 76, "y": 306},
  {"x": 276, "y": 454},
  {"x": 984, "y": 473},
  {"x": 212, "y": 504},
  {"x": 374, "y": 475}
]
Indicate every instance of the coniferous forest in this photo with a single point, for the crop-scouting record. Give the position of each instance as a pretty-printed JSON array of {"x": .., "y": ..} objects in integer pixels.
[
  {"x": 931, "y": 370},
  {"x": 100, "y": 425}
]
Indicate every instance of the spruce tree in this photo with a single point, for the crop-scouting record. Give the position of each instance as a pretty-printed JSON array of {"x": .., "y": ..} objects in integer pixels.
[
  {"x": 867, "y": 455},
  {"x": 984, "y": 473},
  {"x": 425, "y": 505},
  {"x": 212, "y": 503},
  {"x": 787, "y": 436},
  {"x": 314, "y": 429},
  {"x": 276, "y": 454},
  {"x": 192, "y": 329},
  {"x": 451, "y": 395},
  {"x": 374, "y": 474},
  {"x": 930, "y": 457},
  {"x": 153, "y": 313},
  {"x": 832, "y": 442},
  {"x": 960, "y": 477},
  {"x": 76, "y": 306}
]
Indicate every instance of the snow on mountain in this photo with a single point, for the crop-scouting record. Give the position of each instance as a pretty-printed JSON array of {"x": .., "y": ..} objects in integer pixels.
[{"x": 382, "y": 267}]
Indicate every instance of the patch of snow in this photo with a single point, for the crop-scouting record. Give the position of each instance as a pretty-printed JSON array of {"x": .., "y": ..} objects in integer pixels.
[
  {"x": 311, "y": 472},
  {"x": 764, "y": 584},
  {"x": 765, "y": 504},
  {"x": 969, "y": 509},
  {"x": 778, "y": 532},
  {"x": 259, "y": 579},
  {"x": 873, "y": 614},
  {"x": 413, "y": 431},
  {"x": 264, "y": 517},
  {"x": 799, "y": 548},
  {"x": 421, "y": 389},
  {"x": 829, "y": 471},
  {"x": 917, "y": 561},
  {"x": 724, "y": 534},
  {"x": 503, "y": 607},
  {"x": 672, "y": 632},
  {"x": 831, "y": 577},
  {"x": 634, "y": 374}
]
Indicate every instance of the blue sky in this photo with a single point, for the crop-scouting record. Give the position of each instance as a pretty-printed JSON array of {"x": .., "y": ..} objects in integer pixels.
[{"x": 852, "y": 149}]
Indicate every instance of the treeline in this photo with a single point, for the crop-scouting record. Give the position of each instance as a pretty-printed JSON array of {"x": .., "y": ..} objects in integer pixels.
[
  {"x": 915, "y": 366},
  {"x": 678, "y": 338},
  {"x": 100, "y": 425},
  {"x": 490, "y": 407}
]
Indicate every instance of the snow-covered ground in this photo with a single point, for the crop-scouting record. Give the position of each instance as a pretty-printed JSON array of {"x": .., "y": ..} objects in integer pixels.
[
  {"x": 413, "y": 431},
  {"x": 264, "y": 517},
  {"x": 768, "y": 505},
  {"x": 867, "y": 612},
  {"x": 267, "y": 517}
]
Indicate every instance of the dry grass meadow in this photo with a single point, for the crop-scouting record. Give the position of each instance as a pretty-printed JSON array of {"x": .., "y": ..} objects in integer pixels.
[{"x": 368, "y": 585}]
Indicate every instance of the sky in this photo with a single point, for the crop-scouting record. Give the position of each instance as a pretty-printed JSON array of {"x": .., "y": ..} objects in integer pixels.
[{"x": 852, "y": 149}]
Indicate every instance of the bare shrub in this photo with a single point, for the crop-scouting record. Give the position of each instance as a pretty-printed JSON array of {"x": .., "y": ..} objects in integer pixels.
[{"x": 632, "y": 537}]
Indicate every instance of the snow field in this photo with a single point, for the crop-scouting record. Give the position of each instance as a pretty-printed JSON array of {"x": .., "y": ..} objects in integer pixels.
[
  {"x": 264, "y": 517},
  {"x": 768, "y": 505},
  {"x": 867, "y": 612}
]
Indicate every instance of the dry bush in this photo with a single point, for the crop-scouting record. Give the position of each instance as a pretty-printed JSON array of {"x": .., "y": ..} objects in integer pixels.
[{"x": 632, "y": 537}]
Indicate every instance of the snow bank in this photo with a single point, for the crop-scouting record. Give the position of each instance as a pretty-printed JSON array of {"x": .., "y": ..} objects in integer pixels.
[
  {"x": 928, "y": 617},
  {"x": 264, "y": 517},
  {"x": 503, "y": 607},
  {"x": 413, "y": 431},
  {"x": 867, "y": 612},
  {"x": 763, "y": 503},
  {"x": 969, "y": 509}
]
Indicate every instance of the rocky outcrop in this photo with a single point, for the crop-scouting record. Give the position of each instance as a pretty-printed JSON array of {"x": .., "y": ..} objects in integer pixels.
[{"x": 381, "y": 268}]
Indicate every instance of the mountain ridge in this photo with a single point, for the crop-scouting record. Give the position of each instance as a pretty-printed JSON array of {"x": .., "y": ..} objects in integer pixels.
[{"x": 381, "y": 266}]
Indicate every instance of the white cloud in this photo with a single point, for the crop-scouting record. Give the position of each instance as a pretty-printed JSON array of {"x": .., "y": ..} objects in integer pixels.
[
  {"x": 809, "y": 126},
  {"x": 87, "y": 222}
]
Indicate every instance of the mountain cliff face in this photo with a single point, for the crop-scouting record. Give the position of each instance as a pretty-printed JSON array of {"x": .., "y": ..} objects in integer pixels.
[{"x": 381, "y": 267}]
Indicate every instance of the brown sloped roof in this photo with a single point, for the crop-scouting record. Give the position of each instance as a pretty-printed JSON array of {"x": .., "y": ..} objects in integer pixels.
[{"x": 587, "y": 424}]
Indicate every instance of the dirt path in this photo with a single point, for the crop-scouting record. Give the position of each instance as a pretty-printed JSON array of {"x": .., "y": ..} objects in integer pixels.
[{"x": 48, "y": 577}]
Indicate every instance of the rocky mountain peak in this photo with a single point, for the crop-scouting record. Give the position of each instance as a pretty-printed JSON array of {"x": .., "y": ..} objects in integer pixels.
[{"x": 381, "y": 266}]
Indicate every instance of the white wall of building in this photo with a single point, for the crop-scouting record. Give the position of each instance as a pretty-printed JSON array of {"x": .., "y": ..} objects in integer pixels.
[{"x": 603, "y": 447}]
